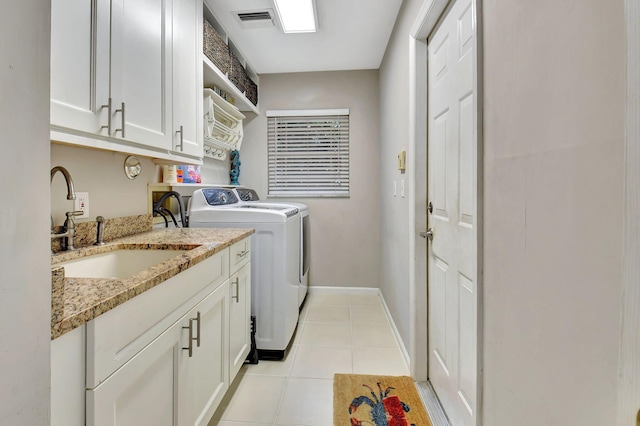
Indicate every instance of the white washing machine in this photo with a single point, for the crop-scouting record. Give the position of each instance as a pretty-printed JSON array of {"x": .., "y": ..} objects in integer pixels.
[
  {"x": 250, "y": 196},
  {"x": 275, "y": 258}
]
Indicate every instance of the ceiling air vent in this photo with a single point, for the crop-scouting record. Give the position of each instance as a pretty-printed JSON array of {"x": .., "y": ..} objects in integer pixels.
[{"x": 255, "y": 18}]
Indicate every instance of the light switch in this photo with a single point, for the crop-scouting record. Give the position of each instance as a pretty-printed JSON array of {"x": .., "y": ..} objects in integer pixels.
[
  {"x": 402, "y": 188},
  {"x": 395, "y": 188}
]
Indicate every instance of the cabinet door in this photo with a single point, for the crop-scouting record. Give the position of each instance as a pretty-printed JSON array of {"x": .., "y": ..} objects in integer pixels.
[
  {"x": 80, "y": 64},
  {"x": 187, "y": 77},
  {"x": 208, "y": 367},
  {"x": 141, "y": 71},
  {"x": 240, "y": 318},
  {"x": 67, "y": 379},
  {"x": 145, "y": 391}
]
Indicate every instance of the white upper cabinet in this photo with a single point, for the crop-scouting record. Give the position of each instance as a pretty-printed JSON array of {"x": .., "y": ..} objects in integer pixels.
[
  {"x": 126, "y": 76},
  {"x": 187, "y": 77},
  {"x": 80, "y": 64},
  {"x": 141, "y": 71}
]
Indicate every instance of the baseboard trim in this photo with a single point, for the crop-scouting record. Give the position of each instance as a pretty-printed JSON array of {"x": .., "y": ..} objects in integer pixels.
[{"x": 343, "y": 290}]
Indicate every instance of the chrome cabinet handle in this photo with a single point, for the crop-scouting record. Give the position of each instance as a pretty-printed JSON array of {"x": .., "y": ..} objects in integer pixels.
[
  {"x": 198, "y": 329},
  {"x": 243, "y": 253},
  {"x": 181, "y": 144},
  {"x": 121, "y": 129},
  {"x": 108, "y": 126},
  {"x": 191, "y": 338},
  {"x": 427, "y": 234},
  {"x": 237, "y": 295}
]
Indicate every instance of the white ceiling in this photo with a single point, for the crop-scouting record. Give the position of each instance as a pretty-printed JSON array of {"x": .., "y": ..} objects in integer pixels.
[{"x": 352, "y": 35}]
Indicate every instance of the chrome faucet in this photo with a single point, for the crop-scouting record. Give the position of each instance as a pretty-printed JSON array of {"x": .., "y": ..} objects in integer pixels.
[
  {"x": 71, "y": 193},
  {"x": 69, "y": 225}
]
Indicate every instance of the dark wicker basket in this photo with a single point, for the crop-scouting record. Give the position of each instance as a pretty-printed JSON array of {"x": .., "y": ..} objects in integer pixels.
[
  {"x": 252, "y": 91},
  {"x": 237, "y": 74},
  {"x": 216, "y": 49}
]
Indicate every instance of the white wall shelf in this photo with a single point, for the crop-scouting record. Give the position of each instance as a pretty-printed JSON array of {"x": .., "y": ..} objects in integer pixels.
[{"x": 213, "y": 76}]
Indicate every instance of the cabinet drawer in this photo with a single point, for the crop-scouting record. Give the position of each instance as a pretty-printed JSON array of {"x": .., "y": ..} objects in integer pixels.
[
  {"x": 239, "y": 255},
  {"x": 117, "y": 335}
]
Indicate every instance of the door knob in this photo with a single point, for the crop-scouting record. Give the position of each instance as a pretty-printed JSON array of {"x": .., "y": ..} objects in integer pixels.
[{"x": 427, "y": 234}]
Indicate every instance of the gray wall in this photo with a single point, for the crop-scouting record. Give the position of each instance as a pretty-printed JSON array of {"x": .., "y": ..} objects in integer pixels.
[
  {"x": 25, "y": 277},
  {"x": 553, "y": 129},
  {"x": 111, "y": 193},
  {"x": 345, "y": 231},
  {"x": 394, "y": 137},
  {"x": 554, "y": 133}
]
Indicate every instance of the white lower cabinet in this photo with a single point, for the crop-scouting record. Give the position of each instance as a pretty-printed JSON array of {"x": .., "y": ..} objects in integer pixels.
[
  {"x": 165, "y": 357},
  {"x": 144, "y": 390},
  {"x": 178, "y": 379},
  {"x": 240, "y": 314},
  {"x": 68, "y": 356},
  {"x": 207, "y": 371}
]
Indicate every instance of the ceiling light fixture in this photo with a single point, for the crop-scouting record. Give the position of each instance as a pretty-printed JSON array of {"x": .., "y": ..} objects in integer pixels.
[{"x": 296, "y": 16}]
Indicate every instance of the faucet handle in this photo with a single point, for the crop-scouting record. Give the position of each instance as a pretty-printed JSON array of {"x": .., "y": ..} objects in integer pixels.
[{"x": 69, "y": 223}]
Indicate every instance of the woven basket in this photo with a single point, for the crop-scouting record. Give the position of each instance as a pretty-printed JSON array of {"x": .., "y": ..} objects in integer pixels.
[
  {"x": 237, "y": 74},
  {"x": 252, "y": 91},
  {"x": 216, "y": 49}
]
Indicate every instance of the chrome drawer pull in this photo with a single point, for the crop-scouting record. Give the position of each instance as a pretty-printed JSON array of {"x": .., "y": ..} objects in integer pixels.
[
  {"x": 243, "y": 253},
  {"x": 108, "y": 126},
  {"x": 237, "y": 295},
  {"x": 191, "y": 338},
  {"x": 181, "y": 144},
  {"x": 121, "y": 110}
]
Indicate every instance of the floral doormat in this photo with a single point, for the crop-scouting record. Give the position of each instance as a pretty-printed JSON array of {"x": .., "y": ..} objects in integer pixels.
[{"x": 377, "y": 400}]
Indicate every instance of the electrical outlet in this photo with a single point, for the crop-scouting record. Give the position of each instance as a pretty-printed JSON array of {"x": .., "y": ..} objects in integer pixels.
[{"x": 82, "y": 203}]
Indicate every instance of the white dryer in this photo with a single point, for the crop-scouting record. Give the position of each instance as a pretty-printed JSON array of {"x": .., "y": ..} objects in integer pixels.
[
  {"x": 250, "y": 196},
  {"x": 275, "y": 257}
]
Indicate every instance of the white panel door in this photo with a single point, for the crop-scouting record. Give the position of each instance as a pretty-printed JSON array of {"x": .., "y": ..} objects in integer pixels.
[
  {"x": 208, "y": 365},
  {"x": 145, "y": 390},
  {"x": 141, "y": 71},
  {"x": 80, "y": 64},
  {"x": 240, "y": 322},
  {"x": 187, "y": 77},
  {"x": 452, "y": 257}
]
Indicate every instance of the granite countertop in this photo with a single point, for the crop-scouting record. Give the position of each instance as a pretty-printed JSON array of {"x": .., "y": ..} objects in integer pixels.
[{"x": 75, "y": 301}]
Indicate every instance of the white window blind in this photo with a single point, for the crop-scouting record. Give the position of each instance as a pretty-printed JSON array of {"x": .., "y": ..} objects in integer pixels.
[{"x": 308, "y": 153}]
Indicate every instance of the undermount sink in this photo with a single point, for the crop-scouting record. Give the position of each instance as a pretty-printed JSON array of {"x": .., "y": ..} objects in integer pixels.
[{"x": 116, "y": 264}]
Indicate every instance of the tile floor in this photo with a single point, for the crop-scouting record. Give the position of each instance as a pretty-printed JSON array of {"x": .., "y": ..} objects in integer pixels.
[{"x": 337, "y": 333}]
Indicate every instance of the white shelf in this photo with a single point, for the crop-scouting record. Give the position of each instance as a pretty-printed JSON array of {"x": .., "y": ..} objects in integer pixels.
[{"x": 213, "y": 76}]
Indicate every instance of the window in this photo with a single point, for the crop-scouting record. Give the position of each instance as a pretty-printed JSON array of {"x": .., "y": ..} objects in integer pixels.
[{"x": 308, "y": 153}]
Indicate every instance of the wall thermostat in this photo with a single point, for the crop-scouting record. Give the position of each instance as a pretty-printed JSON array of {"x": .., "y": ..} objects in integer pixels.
[{"x": 402, "y": 160}]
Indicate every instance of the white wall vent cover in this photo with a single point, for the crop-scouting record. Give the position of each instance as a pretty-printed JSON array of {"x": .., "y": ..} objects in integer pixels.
[{"x": 255, "y": 18}]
